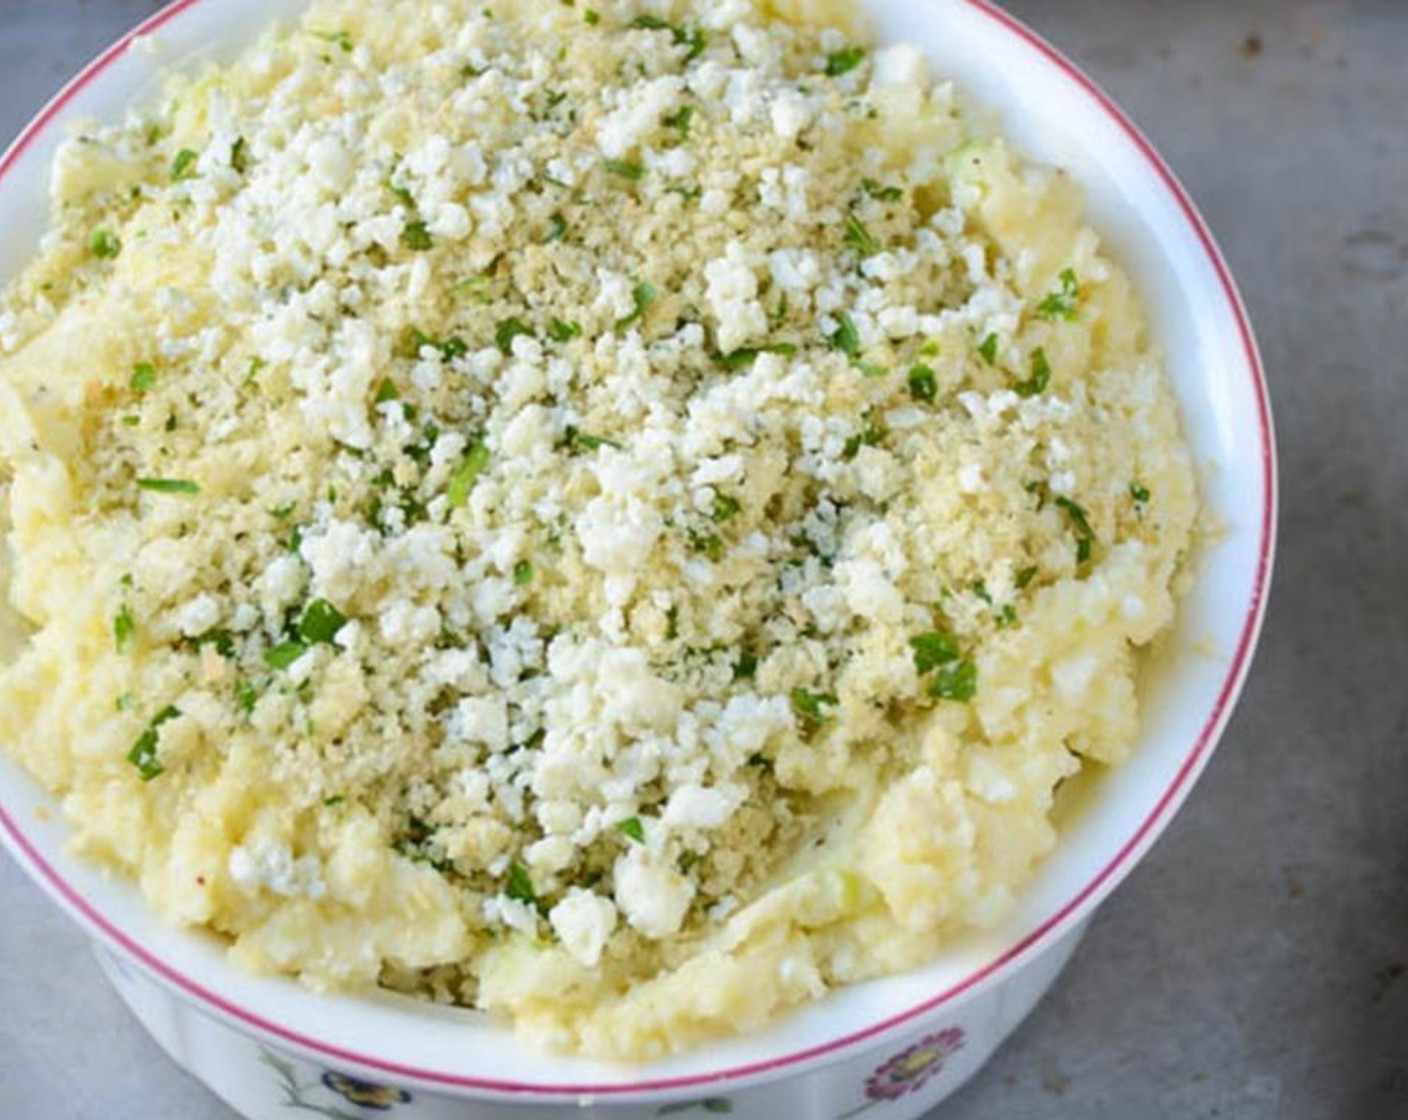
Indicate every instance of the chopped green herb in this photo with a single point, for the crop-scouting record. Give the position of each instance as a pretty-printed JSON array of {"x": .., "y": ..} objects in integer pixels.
[
  {"x": 881, "y": 192},
  {"x": 1085, "y": 535},
  {"x": 1025, "y": 577},
  {"x": 333, "y": 802},
  {"x": 741, "y": 359},
  {"x": 872, "y": 435},
  {"x": 122, "y": 628},
  {"x": 746, "y": 667},
  {"x": 281, "y": 513},
  {"x": 680, "y": 120},
  {"x": 844, "y": 61},
  {"x": 583, "y": 441},
  {"x": 168, "y": 486},
  {"x": 1139, "y": 492},
  {"x": 320, "y": 623},
  {"x": 980, "y": 589},
  {"x": 255, "y": 365},
  {"x": 871, "y": 369},
  {"x": 933, "y": 650},
  {"x": 643, "y": 295},
  {"x": 725, "y": 507},
  {"x": 633, "y": 828},
  {"x": 1063, "y": 303},
  {"x": 923, "y": 383},
  {"x": 183, "y": 163},
  {"x": 131, "y": 421},
  {"x": 104, "y": 244},
  {"x": 402, "y": 195},
  {"x": 561, "y": 330},
  {"x": 711, "y": 544},
  {"x": 859, "y": 238},
  {"x": 387, "y": 391},
  {"x": 1040, "y": 378},
  {"x": 692, "y": 37},
  {"x": 239, "y": 156},
  {"x": 143, "y": 754},
  {"x": 696, "y": 40},
  {"x": 416, "y": 237},
  {"x": 846, "y": 337},
  {"x": 592, "y": 17},
  {"x": 988, "y": 349},
  {"x": 809, "y": 705},
  {"x": 341, "y": 38},
  {"x": 143, "y": 376},
  {"x": 1007, "y": 616},
  {"x": 625, "y": 169},
  {"x": 246, "y": 696},
  {"x": 520, "y": 886},
  {"x": 466, "y": 474},
  {"x": 559, "y": 227},
  {"x": 284, "y": 654},
  {"x": 650, "y": 23},
  {"x": 958, "y": 680},
  {"x": 522, "y": 573},
  {"x": 508, "y": 330}
]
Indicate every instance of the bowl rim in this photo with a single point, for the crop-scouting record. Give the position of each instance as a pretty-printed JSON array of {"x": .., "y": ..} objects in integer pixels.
[{"x": 1078, "y": 904}]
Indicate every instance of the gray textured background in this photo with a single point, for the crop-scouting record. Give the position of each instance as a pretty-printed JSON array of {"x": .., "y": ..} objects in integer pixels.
[{"x": 1251, "y": 967}]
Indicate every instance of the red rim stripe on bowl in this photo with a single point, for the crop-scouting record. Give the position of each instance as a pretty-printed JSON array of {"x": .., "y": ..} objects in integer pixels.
[{"x": 1064, "y": 916}]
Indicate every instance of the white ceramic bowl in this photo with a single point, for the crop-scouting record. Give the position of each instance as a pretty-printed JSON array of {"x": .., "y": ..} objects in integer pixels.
[{"x": 891, "y": 1048}]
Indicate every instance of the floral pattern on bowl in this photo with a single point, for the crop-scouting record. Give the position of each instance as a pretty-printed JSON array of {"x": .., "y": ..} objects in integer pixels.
[
  {"x": 365, "y": 1095},
  {"x": 910, "y": 1070}
]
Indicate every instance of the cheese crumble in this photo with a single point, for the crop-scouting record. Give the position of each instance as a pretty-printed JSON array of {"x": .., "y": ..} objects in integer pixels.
[{"x": 618, "y": 517}]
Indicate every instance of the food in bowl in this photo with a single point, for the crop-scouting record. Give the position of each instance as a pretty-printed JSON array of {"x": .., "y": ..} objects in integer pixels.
[{"x": 622, "y": 517}]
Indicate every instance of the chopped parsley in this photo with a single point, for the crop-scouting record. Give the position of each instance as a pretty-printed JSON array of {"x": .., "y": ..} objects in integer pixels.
[
  {"x": 680, "y": 120},
  {"x": 1041, "y": 376},
  {"x": 932, "y": 650},
  {"x": 320, "y": 623},
  {"x": 519, "y": 886},
  {"x": 284, "y": 654},
  {"x": 643, "y": 296},
  {"x": 1139, "y": 492},
  {"x": 255, "y": 365},
  {"x": 182, "y": 165},
  {"x": 691, "y": 37},
  {"x": 1064, "y": 303},
  {"x": 104, "y": 244},
  {"x": 810, "y": 705},
  {"x": 143, "y": 754},
  {"x": 625, "y": 169},
  {"x": 632, "y": 827},
  {"x": 710, "y": 544},
  {"x": 387, "y": 392},
  {"x": 239, "y": 156},
  {"x": 246, "y": 696},
  {"x": 508, "y": 330},
  {"x": 725, "y": 507},
  {"x": 1025, "y": 577},
  {"x": 466, "y": 474},
  {"x": 585, "y": 441},
  {"x": 416, "y": 237},
  {"x": 746, "y": 667},
  {"x": 923, "y": 384},
  {"x": 741, "y": 359},
  {"x": 988, "y": 349},
  {"x": 168, "y": 486},
  {"x": 341, "y": 38},
  {"x": 846, "y": 337},
  {"x": 859, "y": 238},
  {"x": 143, "y": 376},
  {"x": 881, "y": 192},
  {"x": 844, "y": 61},
  {"x": 558, "y": 228},
  {"x": 563, "y": 330},
  {"x": 958, "y": 680},
  {"x": 1080, "y": 522},
  {"x": 522, "y": 573},
  {"x": 592, "y": 17},
  {"x": 122, "y": 629}
]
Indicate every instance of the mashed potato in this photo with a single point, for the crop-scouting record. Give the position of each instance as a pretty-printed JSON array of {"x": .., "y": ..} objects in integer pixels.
[{"x": 619, "y": 517}]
